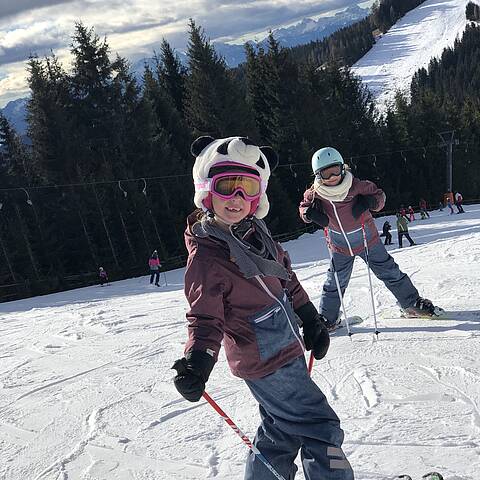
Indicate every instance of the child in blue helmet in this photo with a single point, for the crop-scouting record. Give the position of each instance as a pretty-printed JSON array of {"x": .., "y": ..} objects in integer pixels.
[{"x": 342, "y": 202}]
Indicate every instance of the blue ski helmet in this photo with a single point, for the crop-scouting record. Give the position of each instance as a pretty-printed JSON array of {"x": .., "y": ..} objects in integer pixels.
[{"x": 326, "y": 157}]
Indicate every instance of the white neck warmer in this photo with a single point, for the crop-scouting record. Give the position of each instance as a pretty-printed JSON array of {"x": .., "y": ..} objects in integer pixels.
[{"x": 337, "y": 193}]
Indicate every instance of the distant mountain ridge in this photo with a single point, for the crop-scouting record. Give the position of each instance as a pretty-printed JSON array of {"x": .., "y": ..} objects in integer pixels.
[
  {"x": 15, "y": 112},
  {"x": 305, "y": 31}
]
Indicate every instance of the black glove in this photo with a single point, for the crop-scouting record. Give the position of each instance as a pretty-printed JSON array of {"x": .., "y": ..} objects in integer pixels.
[
  {"x": 316, "y": 216},
  {"x": 363, "y": 203},
  {"x": 315, "y": 333},
  {"x": 192, "y": 374}
]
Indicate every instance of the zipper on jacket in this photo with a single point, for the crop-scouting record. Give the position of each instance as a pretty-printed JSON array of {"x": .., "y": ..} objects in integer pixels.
[
  {"x": 267, "y": 315},
  {"x": 282, "y": 306},
  {"x": 341, "y": 228}
]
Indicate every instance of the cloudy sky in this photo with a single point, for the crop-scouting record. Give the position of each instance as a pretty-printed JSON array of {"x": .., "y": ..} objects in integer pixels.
[{"x": 134, "y": 28}]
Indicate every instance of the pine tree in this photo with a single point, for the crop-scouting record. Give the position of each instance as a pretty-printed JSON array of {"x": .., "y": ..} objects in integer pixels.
[
  {"x": 49, "y": 126},
  {"x": 172, "y": 75},
  {"x": 14, "y": 159},
  {"x": 92, "y": 108},
  {"x": 214, "y": 104}
]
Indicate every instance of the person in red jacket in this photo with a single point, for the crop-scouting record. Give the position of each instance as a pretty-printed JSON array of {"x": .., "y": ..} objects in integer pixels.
[
  {"x": 342, "y": 202},
  {"x": 243, "y": 293}
]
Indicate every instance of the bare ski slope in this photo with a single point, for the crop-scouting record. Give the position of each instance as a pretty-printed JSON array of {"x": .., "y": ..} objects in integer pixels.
[
  {"x": 86, "y": 388},
  {"x": 416, "y": 38}
]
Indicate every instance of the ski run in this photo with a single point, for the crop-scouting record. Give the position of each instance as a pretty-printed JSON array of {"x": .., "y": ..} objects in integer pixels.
[{"x": 86, "y": 388}]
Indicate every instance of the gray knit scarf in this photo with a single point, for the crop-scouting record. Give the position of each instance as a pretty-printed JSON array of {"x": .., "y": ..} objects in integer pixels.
[{"x": 251, "y": 246}]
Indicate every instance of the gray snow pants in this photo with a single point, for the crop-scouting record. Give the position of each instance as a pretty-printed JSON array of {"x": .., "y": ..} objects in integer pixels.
[
  {"x": 296, "y": 416},
  {"x": 382, "y": 265}
]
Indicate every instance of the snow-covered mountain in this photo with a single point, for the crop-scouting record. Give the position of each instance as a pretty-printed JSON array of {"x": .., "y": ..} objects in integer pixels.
[
  {"x": 86, "y": 386},
  {"x": 422, "y": 34},
  {"x": 305, "y": 31},
  {"x": 15, "y": 112}
]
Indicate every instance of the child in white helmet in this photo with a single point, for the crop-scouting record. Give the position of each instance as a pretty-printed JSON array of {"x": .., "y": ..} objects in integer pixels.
[
  {"x": 243, "y": 293},
  {"x": 342, "y": 202}
]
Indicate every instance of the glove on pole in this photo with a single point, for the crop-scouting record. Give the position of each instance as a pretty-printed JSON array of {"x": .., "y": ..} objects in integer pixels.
[{"x": 245, "y": 439}]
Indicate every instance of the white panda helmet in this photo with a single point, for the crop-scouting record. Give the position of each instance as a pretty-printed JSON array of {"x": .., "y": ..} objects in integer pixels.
[{"x": 213, "y": 155}]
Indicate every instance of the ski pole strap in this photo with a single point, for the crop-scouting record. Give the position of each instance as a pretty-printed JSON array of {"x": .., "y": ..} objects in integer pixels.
[{"x": 244, "y": 438}]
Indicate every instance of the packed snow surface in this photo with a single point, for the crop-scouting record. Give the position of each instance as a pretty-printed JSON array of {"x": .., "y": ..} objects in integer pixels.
[
  {"x": 86, "y": 387},
  {"x": 422, "y": 34}
]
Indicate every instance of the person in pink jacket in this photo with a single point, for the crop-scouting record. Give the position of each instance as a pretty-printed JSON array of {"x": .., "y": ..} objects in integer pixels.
[
  {"x": 154, "y": 264},
  {"x": 102, "y": 274},
  {"x": 244, "y": 295},
  {"x": 342, "y": 202}
]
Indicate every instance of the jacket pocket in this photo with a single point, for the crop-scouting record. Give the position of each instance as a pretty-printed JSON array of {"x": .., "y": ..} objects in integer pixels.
[{"x": 273, "y": 331}]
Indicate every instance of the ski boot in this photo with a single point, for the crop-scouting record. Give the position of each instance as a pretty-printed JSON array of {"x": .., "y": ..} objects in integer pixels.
[
  {"x": 340, "y": 322},
  {"x": 423, "y": 308},
  {"x": 332, "y": 326},
  {"x": 432, "y": 476}
]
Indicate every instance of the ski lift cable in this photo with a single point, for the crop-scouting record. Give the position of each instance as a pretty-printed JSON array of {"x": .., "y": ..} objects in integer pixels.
[{"x": 185, "y": 175}]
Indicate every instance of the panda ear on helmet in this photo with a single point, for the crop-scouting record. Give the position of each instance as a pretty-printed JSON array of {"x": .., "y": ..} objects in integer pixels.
[
  {"x": 199, "y": 144},
  {"x": 272, "y": 157}
]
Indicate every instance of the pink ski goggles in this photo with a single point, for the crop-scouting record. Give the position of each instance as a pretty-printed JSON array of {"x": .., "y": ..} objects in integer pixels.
[{"x": 227, "y": 184}]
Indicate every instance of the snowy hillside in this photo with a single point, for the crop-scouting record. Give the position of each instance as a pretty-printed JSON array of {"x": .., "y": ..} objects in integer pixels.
[
  {"x": 86, "y": 388},
  {"x": 419, "y": 36}
]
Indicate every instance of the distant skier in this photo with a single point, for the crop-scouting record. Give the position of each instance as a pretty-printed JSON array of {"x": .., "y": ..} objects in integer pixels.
[
  {"x": 403, "y": 212},
  {"x": 154, "y": 264},
  {"x": 402, "y": 230},
  {"x": 342, "y": 202},
  {"x": 411, "y": 213},
  {"x": 386, "y": 233},
  {"x": 449, "y": 205},
  {"x": 423, "y": 209},
  {"x": 458, "y": 202},
  {"x": 102, "y": 275},
  {"x": 243, "y": 293}
]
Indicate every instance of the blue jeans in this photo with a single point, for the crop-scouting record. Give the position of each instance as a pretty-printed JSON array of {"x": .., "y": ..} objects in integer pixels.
[
  {"x": 382, "y": 265},
  {"x": 296, "y": 416}
]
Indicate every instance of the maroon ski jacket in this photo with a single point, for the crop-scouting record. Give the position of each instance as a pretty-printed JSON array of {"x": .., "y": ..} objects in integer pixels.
[
  {"x": 346, "y": 231},
  {"x": 253, "y": 317}
]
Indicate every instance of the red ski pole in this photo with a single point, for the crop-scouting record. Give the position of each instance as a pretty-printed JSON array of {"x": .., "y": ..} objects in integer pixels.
[
  {"x": 310, "y": 363},
  {"x": 244, "y": 438}
]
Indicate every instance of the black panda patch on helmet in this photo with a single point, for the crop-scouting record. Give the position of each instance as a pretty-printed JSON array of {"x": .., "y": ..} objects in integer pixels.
[{"x": 199, "y": 144}]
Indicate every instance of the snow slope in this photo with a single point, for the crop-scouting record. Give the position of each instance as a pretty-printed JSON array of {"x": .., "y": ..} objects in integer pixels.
[
  {"x": 423, "y": 33},
  {"x": 86, "y": 387}
]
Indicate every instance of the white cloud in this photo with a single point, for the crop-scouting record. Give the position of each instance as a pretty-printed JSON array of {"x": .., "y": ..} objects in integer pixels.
[
  {"x": 134, "y": 27},
  {"x": 13, "y": 83}
]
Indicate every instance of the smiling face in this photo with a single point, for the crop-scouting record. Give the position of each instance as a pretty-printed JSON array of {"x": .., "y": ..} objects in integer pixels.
[{"x": 231, "y": 211}]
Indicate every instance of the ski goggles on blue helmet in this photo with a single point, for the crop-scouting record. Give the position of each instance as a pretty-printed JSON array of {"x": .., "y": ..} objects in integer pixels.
[{"x": 326, "y": 173}]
